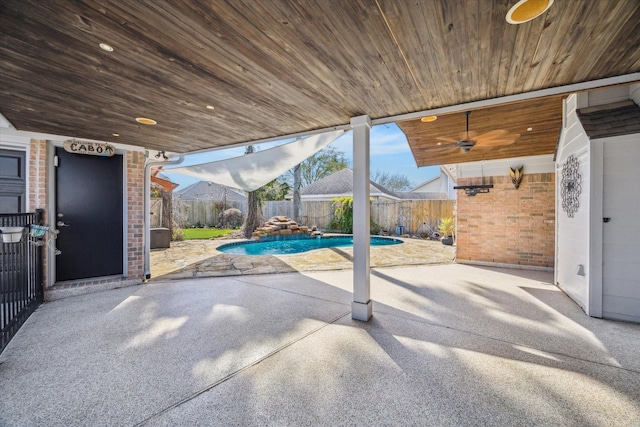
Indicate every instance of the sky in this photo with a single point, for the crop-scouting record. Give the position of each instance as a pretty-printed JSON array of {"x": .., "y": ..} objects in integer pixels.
[{"x": 389, "y": 152}]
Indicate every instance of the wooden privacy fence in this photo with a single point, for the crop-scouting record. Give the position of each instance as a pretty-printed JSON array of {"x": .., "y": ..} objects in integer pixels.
[
  {"x": 416, "y": 216},
  {"x": 318, "y": 213},
  {"x": 189, "y": 213}
]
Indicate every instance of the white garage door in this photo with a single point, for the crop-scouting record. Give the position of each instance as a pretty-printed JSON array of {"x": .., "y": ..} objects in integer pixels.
[{"x": 621, "y": 234}]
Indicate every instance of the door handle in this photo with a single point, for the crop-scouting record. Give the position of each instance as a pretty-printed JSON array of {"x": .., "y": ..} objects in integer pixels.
[{"x": 61, "y": 224}]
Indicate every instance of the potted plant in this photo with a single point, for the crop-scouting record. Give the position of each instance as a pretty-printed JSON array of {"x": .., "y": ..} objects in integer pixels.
[{"x": 446, "y": 227}]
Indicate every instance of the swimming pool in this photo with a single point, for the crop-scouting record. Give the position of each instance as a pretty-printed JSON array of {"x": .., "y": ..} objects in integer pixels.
[{"x": 284, "y": 247}]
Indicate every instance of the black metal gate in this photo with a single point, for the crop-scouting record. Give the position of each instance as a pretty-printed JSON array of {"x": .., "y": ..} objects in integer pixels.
[{"x": 21, "y": 271}]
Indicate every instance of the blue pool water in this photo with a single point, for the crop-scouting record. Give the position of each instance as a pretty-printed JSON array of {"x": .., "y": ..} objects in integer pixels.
[{"x": 283, "y": 247}]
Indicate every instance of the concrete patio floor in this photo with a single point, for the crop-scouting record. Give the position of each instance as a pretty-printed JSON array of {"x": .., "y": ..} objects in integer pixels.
[{"x": 449, "y": 345}]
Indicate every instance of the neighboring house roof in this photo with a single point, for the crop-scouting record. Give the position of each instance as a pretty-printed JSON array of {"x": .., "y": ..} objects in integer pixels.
[
  {"x": 429, "y": 181},
  {"x": 341, "y": 183},
  {"x": 611, "y": 120},
  {"x": 203, "y": 190},
  {"x": 420, "y": 195}
]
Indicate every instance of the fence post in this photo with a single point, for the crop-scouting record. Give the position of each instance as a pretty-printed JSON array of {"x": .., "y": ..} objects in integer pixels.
[{"x": 39, "y": 260}]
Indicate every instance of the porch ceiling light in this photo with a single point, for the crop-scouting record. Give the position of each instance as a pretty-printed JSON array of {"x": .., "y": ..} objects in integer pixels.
[
  {"x": 106, "y": 47},
  {"x": 146, "y": 121},
  {"x": 526, "y": 10},
  {"x": 428, "y": 119}
]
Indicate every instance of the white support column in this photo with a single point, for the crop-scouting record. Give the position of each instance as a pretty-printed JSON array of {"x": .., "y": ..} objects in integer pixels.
[{"x": 361, "y": 307}]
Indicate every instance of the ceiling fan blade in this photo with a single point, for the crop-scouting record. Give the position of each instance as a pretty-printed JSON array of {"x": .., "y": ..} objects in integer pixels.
[
  {"x": 496, "y": 142},
  {"x": 498, "y": 133},
  {"x": 497, "y": 138},
  {"x": 451, "y": 140},
  {"x": 441, "y": 149}
]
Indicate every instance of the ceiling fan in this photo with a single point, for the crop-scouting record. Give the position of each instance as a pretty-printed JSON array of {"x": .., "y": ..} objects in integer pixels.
[{"x": 469, "y": 140}]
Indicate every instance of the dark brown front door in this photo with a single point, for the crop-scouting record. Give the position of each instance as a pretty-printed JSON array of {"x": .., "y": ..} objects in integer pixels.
[{"x": 89, "y": 215}]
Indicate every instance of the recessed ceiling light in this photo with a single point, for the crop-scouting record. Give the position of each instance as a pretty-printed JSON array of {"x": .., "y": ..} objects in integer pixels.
[
  {"x": 428, "y": 119},
  {"x": 106, "y": 47},
  {"x": 526, "y": 10},
  {"x": 146, "y": 121},
  {"x": 116, "y": 134},
  {"x": 439, "y": 143},
  {"x": 529, "y": 129},
  {"x": 210, "y": 107}
]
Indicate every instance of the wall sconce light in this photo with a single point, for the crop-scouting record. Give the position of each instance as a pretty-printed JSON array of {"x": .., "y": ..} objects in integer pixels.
[
  {"x": 580, "y": 270},
  {"x": 162, "y": 154}
]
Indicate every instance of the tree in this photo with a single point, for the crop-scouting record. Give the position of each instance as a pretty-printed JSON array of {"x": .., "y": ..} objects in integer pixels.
[
  {"x": 318, "y": 166},
  {"x": 275, "y": 190},
  {"x": 392, "y": 182},
  {"x": 297, "y": 184},
  {"x": 254, "y": 207},
  {"x": 322, "y": 164}
]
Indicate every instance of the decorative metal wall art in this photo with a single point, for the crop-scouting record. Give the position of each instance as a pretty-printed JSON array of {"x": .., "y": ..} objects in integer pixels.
[
  {"x": 570, "y": 186},
  {"x": 516, "y": 175}
]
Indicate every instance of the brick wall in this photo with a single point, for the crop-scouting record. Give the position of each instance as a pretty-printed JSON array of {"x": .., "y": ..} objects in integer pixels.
[
  {"x": 135, "y": 213},
  {"x": 38, "y": 185},
  {"x": 37, "y": 174},
  {"x": 508, "y": 226}
]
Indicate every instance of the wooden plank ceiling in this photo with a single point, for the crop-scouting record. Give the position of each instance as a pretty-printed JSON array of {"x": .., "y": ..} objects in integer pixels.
[
  {"x": 518, "y": 129},
  {"x": 272, "y": 67}
]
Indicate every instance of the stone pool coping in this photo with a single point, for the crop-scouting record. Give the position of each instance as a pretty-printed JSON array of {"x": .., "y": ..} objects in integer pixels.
[{"x": 200, "y": 258}]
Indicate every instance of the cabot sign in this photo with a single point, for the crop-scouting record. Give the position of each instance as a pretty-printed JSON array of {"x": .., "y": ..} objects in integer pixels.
[{"x": 86, "y": 147}]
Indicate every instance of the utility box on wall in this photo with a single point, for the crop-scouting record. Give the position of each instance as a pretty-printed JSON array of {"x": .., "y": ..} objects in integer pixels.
[{"x": 160, "y": 238}]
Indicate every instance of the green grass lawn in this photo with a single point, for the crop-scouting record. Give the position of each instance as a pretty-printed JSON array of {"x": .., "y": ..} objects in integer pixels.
[{"x": 204, "y": 233}]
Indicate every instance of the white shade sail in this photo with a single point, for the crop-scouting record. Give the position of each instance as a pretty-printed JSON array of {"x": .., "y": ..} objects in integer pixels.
[{"x": 252, "y": 171}]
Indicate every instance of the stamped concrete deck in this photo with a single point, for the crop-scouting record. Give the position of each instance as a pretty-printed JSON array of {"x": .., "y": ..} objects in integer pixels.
[{"x": 199, "y": 258}]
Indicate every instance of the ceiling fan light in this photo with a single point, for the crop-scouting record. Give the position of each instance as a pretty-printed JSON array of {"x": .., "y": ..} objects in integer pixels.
[
  {"x": 466, "y": 145},
  {"x": 526, "y": 10}
]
